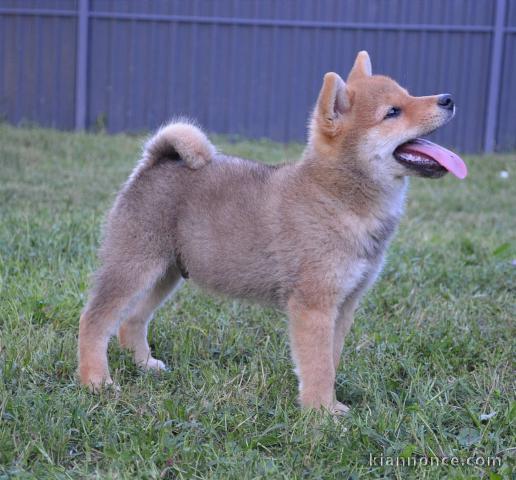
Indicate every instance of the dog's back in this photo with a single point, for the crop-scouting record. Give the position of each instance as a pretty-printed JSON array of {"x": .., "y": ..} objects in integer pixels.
[
  {"x": 234, "y": 226},
  {"x": 217, "y": 223}
]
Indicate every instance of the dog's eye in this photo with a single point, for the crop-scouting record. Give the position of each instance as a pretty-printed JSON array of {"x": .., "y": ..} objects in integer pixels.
[{"x": 393, "y": 112}]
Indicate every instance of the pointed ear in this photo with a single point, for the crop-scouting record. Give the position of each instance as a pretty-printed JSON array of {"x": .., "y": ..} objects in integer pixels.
[
  {"x": 361, "y": 68},
  {"x": 332, "y": 104}
]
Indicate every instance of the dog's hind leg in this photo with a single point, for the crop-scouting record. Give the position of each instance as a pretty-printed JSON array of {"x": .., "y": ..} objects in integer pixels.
[
  {"x": 133, "y": 329},
  {"x": 115, "y": 293}
]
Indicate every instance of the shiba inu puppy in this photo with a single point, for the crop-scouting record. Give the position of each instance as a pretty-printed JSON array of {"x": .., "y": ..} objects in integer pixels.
[{"x": 308, "y": 237}]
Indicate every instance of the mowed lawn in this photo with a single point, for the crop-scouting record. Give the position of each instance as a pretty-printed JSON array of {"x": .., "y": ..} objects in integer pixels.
[{"x": 428, "y": 368}]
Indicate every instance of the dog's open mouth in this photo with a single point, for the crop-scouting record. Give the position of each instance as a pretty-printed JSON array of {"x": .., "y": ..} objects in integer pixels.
[{"x": 430, "y": 159}]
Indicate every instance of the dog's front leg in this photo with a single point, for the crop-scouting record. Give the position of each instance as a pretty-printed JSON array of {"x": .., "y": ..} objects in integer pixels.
[{"x": 312, "y": 330}]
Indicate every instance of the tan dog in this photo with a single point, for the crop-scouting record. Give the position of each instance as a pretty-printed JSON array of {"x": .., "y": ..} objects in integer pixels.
[{"x": 309, "y": 237}]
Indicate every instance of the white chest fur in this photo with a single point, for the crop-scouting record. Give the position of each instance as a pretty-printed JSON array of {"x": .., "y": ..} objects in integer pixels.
[{"x": 370, "y": 236}]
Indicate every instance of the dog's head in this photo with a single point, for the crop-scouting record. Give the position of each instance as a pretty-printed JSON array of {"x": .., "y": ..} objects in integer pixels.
[{"x": 377, "y": 122}]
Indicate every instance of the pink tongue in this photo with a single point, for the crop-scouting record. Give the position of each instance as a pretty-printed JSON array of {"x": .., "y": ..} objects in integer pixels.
[{"x": 453, "y": 163}]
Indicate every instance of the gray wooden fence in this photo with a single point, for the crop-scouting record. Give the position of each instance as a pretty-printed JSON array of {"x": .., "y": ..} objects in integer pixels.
[{"x": 251, "y": 67}]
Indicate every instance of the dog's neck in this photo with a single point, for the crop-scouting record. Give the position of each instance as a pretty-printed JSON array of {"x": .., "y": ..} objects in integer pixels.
[{"x": 354, "y": 186}]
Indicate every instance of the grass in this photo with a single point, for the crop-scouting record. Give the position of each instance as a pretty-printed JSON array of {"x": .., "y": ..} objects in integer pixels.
[{"x": 432, "y": 348}]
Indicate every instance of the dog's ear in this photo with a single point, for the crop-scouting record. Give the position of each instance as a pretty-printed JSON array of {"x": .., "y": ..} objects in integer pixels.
[
  {"x": 361, "y": 68},
  {"x": 332, "y": 104}
]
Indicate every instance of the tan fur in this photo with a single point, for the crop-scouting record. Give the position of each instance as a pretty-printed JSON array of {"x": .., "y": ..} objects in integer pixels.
[
  {"x": 182, "y": 138},
  {"x": 308, "y": 238}
]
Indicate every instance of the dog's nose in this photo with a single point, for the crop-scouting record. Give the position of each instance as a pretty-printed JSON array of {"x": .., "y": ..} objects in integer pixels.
[{"x": 446, "y": 101}]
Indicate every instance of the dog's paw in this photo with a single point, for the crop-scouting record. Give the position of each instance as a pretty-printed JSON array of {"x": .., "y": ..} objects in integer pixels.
[
  {"x": 96, "y": 385},
  {"x": 339, "y": 409},
  {"x": 153, "y": 364},
  {"x": 95, "y": 378}
]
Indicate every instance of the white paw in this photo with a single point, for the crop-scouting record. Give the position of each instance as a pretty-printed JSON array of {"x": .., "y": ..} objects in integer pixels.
[
  {"x": 154, "y": 364},
  {"x": 340, "y": 409}
]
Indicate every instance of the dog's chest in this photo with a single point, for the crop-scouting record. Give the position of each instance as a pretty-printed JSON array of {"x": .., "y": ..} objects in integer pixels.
[
  {"x": 363, "y": 253},
  {"x": 355, "y": 276},
  {"x": 375, "y": 236}
]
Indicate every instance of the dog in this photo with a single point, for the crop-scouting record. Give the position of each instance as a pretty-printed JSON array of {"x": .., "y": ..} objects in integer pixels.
[{"x": 307, "y": 237}]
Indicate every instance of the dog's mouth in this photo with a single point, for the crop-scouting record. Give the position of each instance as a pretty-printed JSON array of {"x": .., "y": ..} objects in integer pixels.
[{"x": 429, "y": 159}]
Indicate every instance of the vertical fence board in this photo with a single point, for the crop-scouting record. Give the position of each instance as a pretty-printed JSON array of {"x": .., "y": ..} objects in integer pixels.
[
  {"x": 82, "y": 65},
  {"x": 495, "y": 73},
  {"x": 506, "y": 125}
]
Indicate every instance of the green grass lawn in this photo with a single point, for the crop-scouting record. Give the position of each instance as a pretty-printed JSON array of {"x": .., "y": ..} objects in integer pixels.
[{"x": 432, "y": 348}]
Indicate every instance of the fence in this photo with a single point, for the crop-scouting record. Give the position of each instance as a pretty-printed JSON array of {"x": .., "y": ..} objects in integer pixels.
[{"x": 251, "y": 67}]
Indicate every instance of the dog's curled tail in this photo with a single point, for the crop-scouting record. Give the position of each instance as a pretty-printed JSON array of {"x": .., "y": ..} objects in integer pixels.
[{"x": 179, "y": 141}]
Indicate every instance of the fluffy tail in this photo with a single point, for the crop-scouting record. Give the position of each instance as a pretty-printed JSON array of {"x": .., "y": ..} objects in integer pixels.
[{"x": 179, "y": 141}]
